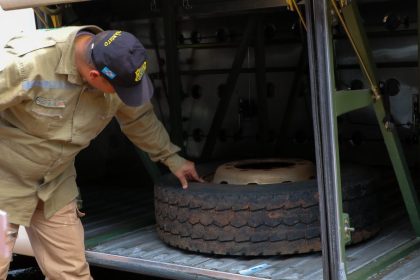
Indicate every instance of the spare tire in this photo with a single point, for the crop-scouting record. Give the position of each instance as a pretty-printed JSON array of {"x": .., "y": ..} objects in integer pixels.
[{"x": 249, "y": 220}]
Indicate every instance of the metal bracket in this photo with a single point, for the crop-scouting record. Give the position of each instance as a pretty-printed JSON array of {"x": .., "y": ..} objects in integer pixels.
[{"x": 347, "y": 228}]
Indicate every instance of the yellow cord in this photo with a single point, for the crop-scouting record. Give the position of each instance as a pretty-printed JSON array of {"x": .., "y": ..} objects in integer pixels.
[
  {"x": 292, "y": 5},
  {"x": 302, "y": 19},
  {"x": 56, "y": 20}
]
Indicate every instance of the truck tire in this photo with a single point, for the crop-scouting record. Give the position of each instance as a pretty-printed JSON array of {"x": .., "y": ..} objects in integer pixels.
[{"x": 263, "y": 220}]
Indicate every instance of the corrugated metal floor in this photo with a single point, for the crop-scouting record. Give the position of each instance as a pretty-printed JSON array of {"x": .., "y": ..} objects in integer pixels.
[{"x": 122, "y": 236}]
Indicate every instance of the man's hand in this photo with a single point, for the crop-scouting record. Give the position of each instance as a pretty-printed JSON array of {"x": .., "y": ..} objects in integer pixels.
[{"x": 187, "y": 173}]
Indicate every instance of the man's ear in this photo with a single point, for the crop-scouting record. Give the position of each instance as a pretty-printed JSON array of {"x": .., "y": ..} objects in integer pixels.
[{"x": 94, "y": 74}]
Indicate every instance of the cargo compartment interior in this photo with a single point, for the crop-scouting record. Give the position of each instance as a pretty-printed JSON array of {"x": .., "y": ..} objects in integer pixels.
[{"x": 120, "y": 229}]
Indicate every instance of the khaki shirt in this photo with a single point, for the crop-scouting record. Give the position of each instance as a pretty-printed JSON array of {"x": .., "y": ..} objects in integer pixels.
[{"x": 48, "y": 114}]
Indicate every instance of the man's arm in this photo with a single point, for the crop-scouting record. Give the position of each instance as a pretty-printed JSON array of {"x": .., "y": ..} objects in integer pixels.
[{"x": 144, "y": 129}]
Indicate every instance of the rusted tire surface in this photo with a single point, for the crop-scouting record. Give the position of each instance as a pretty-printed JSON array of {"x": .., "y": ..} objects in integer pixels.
[{"x": 273, "y": 219}]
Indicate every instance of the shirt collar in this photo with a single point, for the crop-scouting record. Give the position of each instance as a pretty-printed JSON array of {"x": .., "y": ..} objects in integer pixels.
[{"x": 67, "y": 64}]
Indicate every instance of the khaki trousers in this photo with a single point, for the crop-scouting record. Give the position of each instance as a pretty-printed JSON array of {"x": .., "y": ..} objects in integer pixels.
[{"x": 58, "y": 244}]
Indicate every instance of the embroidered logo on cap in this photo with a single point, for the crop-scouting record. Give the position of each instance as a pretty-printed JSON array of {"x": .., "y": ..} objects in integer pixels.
[
  {"x": 140, "y": 71},
  {"x": 107, "y": 72},
  {"x": 112, "y": 38}
]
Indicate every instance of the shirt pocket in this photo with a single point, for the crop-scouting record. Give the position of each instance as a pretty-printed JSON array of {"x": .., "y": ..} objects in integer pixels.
[
  {"x": 48, "y": 107},
  {"x": 45, "y": 120},
  {"x": 48, "y": 117}
]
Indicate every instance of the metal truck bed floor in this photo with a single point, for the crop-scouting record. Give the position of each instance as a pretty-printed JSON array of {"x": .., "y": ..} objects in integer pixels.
[
  {"x": 407, "y": 269},
  {"x": 126, "y": 240}
]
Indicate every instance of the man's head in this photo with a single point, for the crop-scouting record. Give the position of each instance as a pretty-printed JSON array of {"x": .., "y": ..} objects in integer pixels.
[{"x": 119, "y": 61}]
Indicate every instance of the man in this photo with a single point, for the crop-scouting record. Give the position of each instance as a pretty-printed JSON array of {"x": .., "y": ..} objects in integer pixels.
[{"x": 56, "y": 95}]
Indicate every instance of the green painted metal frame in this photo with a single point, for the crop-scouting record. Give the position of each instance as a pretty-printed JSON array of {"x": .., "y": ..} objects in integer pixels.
[
  {"x": 392, "y": 142},
  {"x": 346, "y": 101}
]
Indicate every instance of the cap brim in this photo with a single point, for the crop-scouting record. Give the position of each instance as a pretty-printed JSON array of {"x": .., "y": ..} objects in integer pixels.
[{"x": 137, "y": 95}]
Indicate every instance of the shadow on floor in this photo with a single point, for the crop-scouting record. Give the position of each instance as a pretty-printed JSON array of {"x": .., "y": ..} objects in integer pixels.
[{"x": 26, "y": 268}]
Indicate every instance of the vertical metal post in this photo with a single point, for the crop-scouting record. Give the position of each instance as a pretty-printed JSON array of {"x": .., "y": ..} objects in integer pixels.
[
  {"x": 223, "y": 105},
  {"x": 326, "y": 144},
  {"x": 290, "y": 101},
  {"x": 416, "y": 124},
  {"x": 173, "y": 73},
  {"x": 260, "y": 65},
  {"x": 418, "y": 43}
]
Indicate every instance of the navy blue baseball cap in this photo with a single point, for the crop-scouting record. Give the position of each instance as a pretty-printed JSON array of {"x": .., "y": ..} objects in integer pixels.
[{"x": 122, "y": 60}]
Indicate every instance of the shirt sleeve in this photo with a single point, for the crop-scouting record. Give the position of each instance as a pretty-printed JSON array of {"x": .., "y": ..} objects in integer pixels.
[
  {"x": 144, "y": 129},
  {"x": 11, "y": 78}
]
